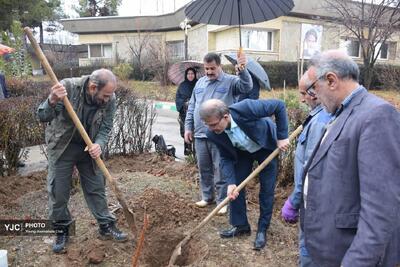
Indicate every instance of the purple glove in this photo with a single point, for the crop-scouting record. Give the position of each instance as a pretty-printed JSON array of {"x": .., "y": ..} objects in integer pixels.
[{"x": 289, "y": 213}]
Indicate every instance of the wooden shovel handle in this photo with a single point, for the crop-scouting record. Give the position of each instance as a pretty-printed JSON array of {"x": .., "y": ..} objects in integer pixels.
[
  {"x": 79, "y": 126},
  {"x": 239, "y": 53},
  {"x": 50, "y": 72}
]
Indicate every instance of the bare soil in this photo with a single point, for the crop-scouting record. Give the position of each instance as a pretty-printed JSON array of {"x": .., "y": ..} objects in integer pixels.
[{"x": 163, "y": 189}]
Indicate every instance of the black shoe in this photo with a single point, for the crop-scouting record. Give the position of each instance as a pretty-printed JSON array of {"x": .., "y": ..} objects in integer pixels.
[
  {"x": 236, "y": 231},
  {"x": 60, "y": 242},
  {"x": 261, "y": 240},
  {"x": 110, "y": 231}
]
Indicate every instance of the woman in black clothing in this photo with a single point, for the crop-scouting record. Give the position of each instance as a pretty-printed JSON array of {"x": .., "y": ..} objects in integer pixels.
[{"x": 183, "y": 95}]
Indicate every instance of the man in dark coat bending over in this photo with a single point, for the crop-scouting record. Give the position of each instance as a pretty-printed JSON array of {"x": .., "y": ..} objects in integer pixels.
[{"x": 243, "y": 133}]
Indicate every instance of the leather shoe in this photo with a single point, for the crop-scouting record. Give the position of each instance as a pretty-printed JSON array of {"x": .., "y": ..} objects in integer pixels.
[
  {"x": 60, "y": 243},
  {"x": 110, "y": 231},
  {"x": 260, "y": 241},
  {"x": 236, "y": 231}
]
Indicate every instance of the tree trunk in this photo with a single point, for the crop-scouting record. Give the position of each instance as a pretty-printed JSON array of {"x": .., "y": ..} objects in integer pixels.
[
  {"x": 41, "y": 33},
  {"x": 143, "y": 75},
  {"x": 368, "y": 72}
]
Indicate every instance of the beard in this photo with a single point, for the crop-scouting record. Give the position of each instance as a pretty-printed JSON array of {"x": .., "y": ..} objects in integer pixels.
[
  {"x": 329, "y": 103},
  {"x": 98, "y": 102}
]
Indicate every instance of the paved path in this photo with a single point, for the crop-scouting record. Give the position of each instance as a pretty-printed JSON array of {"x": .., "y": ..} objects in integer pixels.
[
  {"x": 166, "y": 124},
  {"x": 36, "y": 161}
]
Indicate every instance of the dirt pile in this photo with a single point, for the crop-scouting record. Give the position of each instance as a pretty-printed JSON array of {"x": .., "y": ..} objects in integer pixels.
[
  {"x": 12, "y": 187},
  {"x": 90, "y": 251},
  {"x": 168, "y": 213},
  {"x": 157, "y": 165},
  {"x": 171, "y": 215}
]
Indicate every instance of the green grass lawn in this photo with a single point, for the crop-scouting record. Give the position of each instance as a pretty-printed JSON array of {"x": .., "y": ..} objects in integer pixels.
[
  {"x": 153, "y": 90},
  {"x": 391, "y": 96}
]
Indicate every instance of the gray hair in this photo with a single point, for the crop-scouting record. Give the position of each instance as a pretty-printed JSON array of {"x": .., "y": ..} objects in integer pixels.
[
  {"x": 335, "y": 61},
  {"x": 213, "y": 108},
  {"x": 102, "y": 77},
  {"x": 306, "y": 79}
]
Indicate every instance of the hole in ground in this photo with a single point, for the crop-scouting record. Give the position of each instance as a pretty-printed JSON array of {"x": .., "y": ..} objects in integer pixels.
[
  {"x": 159, "y": 247},
  {"x": 193, "y": 252}
]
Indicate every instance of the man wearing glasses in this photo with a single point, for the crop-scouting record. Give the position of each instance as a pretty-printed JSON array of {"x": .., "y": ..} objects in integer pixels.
[
  {"x": 313, "y": 128},
  {"x": 351, "y": 195},
  {"x": 243, "y": 133}
]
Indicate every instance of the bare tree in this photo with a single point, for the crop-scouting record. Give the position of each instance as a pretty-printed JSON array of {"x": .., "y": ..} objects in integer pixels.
[
  {"x": 160, "y": 60},
  {"x": 61, "y": 56},
  {"x": 138, "y": 46},
  {"x": 371, "y": 22},
  {"x": 147, "y": 52}
]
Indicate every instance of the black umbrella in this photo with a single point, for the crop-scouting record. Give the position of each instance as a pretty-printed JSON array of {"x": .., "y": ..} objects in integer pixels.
[
  {"x": 254, "y": 68},
  {"x": 237, "y": 12}
]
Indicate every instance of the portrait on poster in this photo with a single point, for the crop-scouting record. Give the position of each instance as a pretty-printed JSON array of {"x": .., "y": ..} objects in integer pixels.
[{"x": 311, "y": 36}]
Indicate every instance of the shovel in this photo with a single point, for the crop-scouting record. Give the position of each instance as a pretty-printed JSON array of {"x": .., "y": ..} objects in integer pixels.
[
  {"x": 178, "y": 249},
  {"x": 127, "y": 212}
]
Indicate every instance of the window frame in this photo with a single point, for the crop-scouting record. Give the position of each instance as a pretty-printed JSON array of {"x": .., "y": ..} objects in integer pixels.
[
  {"x": 267, "y": 31},
  {"x": 344, "y": 40},
  {"x": 359, "y": 49},
  {"x": 174, "y": 42},
  {"x": 380, "y": 52},
  {"x": 101, "y": 48}
]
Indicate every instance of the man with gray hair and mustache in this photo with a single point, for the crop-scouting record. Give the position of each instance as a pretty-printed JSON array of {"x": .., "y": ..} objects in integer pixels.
[
  {"x": 215, "y": 85},
  {"x": 93, "y": 100},
  {"x": 351, "y": 195}
]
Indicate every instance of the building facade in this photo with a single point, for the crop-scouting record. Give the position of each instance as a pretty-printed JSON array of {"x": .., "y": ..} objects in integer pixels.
[{"x": 288, "y": 38}]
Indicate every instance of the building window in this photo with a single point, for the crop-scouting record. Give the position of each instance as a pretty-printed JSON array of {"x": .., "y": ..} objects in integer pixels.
[
  {"x": 384, "y": 53},
  {"x": 176, "y": 49},
  {"x": 257, "y": 40},
  {"x": 100, "y": 50},
  {"x": 352, "y": 47}
]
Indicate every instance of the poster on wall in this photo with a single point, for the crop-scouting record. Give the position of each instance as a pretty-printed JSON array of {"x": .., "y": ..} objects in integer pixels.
[{"x": 311, "y": 36}]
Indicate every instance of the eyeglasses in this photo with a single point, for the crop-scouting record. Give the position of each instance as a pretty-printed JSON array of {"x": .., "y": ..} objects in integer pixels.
[{"x": 311, "y": 89}]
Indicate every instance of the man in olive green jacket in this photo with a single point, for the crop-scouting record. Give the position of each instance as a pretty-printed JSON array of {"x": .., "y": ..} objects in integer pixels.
[{"x": 93, "y": 99}]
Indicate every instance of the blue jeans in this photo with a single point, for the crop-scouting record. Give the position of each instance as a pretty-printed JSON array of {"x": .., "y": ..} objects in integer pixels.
[
  {"x": 208, "y": 159},
  {"x": 243, "y": 168}
]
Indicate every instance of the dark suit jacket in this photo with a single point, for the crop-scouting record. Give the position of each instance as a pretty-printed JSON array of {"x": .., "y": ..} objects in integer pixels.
[
  {"x": 353, "y": 202},
  {"x": 252, "y": 118}
]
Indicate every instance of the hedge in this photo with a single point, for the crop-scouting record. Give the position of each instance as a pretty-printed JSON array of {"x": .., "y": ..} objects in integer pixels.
[{"x": 385, "y": 77}]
